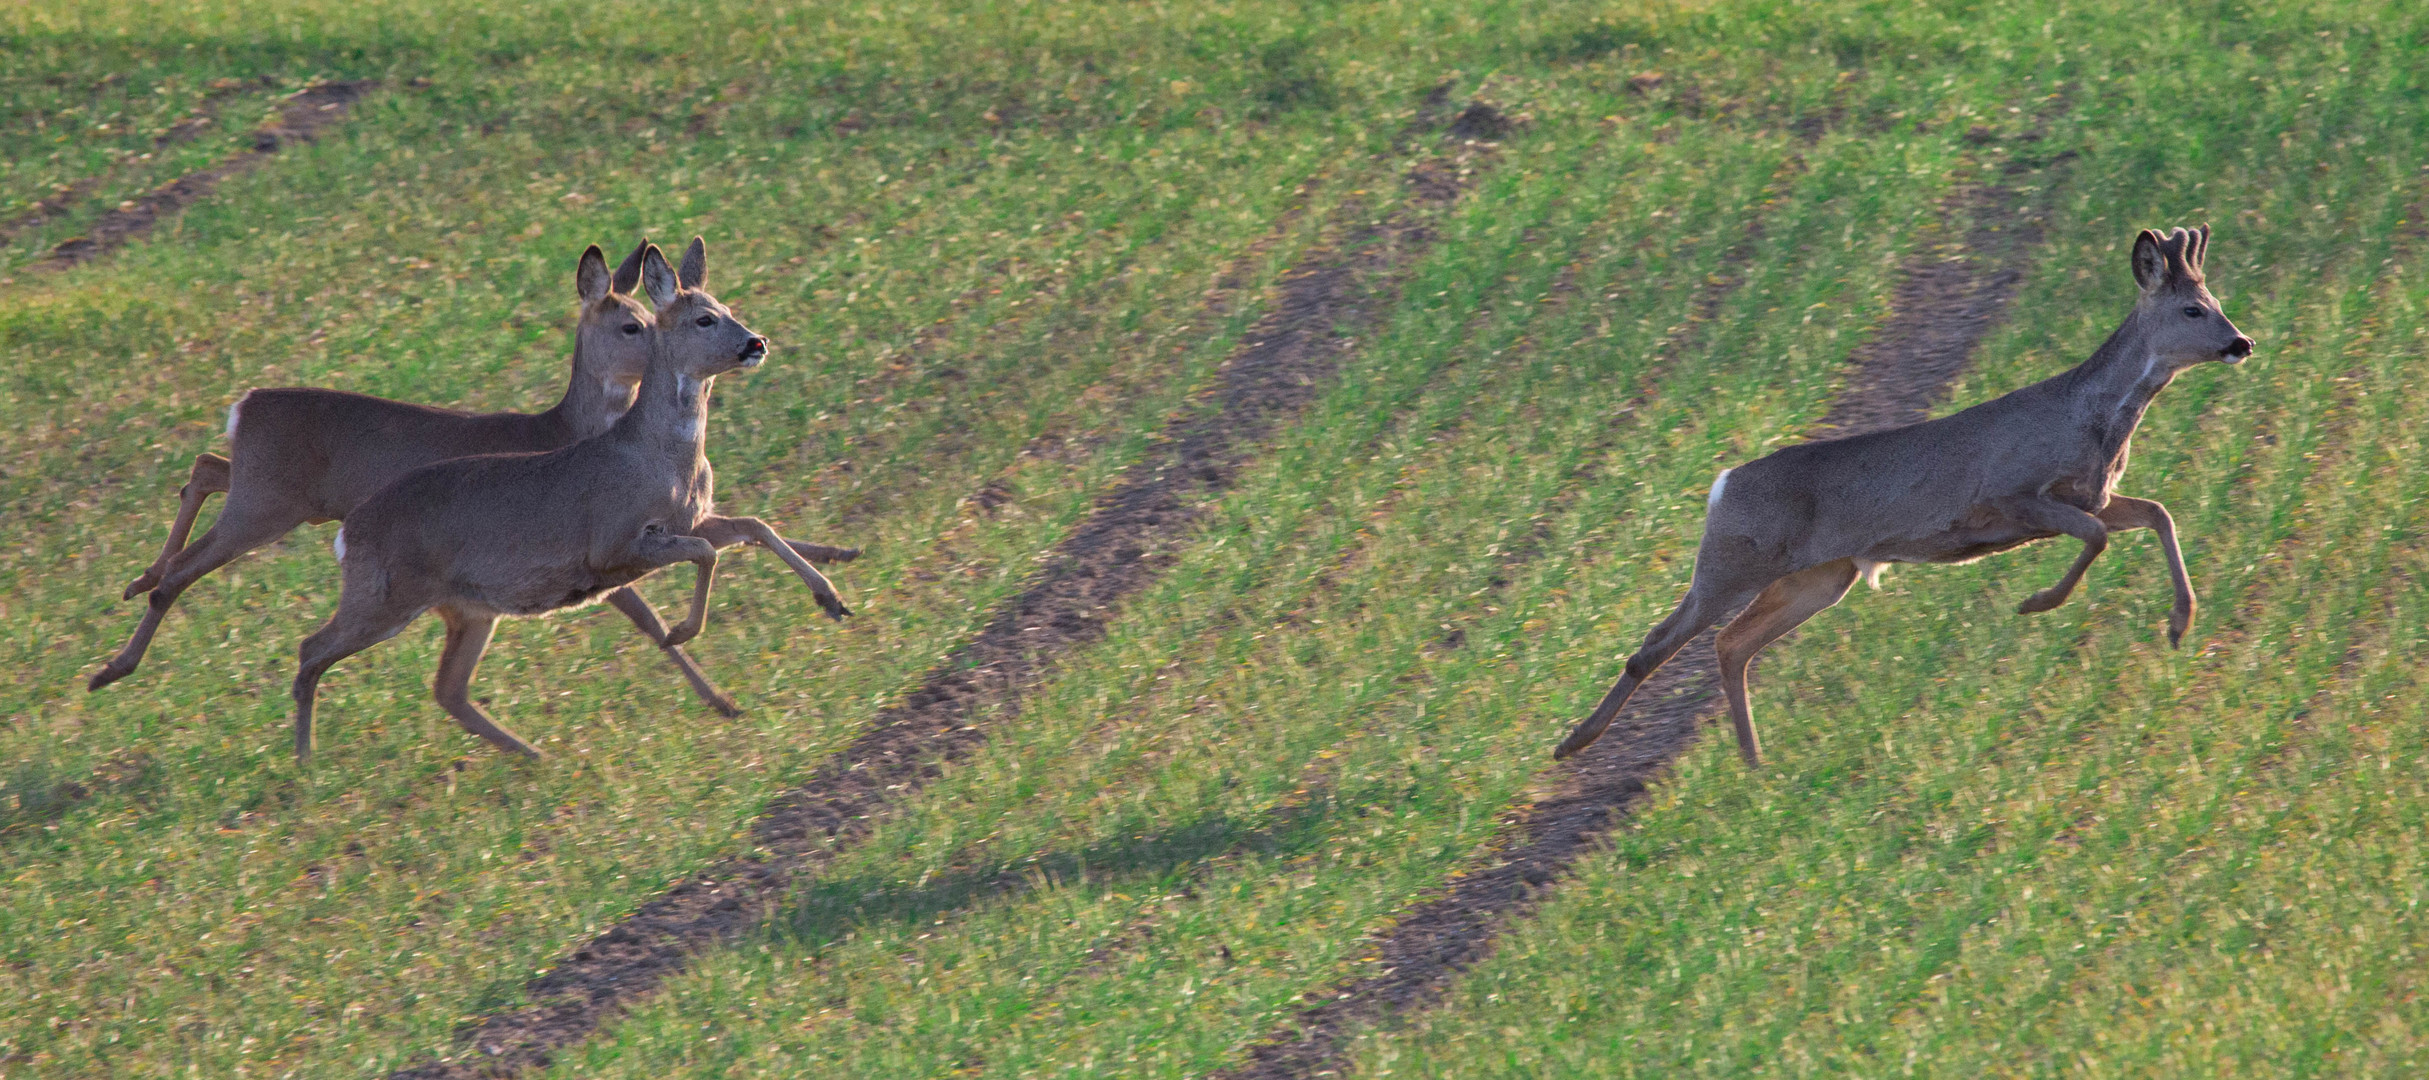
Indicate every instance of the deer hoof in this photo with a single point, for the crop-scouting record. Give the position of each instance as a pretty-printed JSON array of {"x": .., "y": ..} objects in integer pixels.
[
  {"x": 2038, "y": 603},
  {"x": 1577, "y": 741},
  {"x": 104, "y": 677},
  {"x": 725, "y": 706},
  {"x": 835, "y": 609},
  {"x": 140, "y": 585}
]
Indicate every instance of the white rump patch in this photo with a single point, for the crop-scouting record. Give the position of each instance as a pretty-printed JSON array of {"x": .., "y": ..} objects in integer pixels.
[
  {"x": 1719, "y": 484},
  {"x": 340, "y": 543},
  {"x": 232, "y": 411},
  {"x": 1871, "y": 571}
]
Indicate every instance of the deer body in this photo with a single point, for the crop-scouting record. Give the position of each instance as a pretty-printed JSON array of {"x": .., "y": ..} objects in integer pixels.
[
  {"x": 1788, "y": 534},
  {"x": 477, "y": 538},
  {"x": 300, "y": 455}
]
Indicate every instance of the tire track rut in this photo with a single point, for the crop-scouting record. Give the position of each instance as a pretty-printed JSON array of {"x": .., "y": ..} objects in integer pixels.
[{"x": 306, "y": 114}]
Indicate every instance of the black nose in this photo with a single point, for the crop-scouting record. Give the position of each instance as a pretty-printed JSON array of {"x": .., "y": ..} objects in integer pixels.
[
  {"x": 2242, "y": 346},
  {"x": 756, "y": 346}
]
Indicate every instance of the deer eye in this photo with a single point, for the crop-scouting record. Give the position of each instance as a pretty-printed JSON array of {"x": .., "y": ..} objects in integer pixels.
[
  {"x": 706, "y": 320},
  {"x": 2192, "y": 311},
  {"x": 632, "y": 328}
]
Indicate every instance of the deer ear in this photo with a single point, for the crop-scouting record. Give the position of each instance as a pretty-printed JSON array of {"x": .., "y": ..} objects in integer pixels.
[
  {"x": 695, "y": 264},
  {"x": 659, "y": 278},
  {"x": 628, "y": 273},
  {"x": 590, "y": 276},
  {"x": 2150, "y": 261}
]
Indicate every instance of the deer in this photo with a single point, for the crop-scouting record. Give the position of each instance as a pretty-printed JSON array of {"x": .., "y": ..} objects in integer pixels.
[
  {"x": 300, "y": 455},
  {"x": 1786, "y": 535},
  {"x": 518, "y": 535}
]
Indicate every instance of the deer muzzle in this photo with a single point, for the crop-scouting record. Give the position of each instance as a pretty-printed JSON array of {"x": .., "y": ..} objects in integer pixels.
[
  {"x": 2236, "y": 350},
  {"x": 754, "y": 353}
]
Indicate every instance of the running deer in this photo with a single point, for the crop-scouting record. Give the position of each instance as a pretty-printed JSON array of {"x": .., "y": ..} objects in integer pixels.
[
  {"x": 299, "y": 455},
  {"x": 1786, "y": 535},
  {"x": 526, "y": 534}
]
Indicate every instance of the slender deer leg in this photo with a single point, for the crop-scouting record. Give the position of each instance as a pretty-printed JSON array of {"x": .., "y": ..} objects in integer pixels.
[
  {"x": 638, "y": 610},
  {"x": 666, "y": 549},
  {"x": 2127, "y": 512},
  {"x": 821, "y": 553},
  {"x": 2058, "y": 517},
  {"x": 238, "y": 530},
  {"x": 467, "y": 637},
  {"x": 1693, "y": 614},
  {"x": 209, "y": 476},
  {"x": 726, "y": 532},
  {"x": 348, "y": 632},
  {"x": 1779, "y": 608}
]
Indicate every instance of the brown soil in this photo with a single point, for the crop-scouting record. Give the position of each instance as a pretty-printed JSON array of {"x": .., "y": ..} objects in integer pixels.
[
  {"x": 1285, "y": 360},
  {"x": 305, "y": 115},
  {"x": 1951, "y": 294},
  {"x": 64, "y": 201}
]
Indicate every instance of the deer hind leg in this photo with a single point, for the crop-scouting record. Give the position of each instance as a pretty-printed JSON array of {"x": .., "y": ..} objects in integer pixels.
[
  {"x": 638, "y": 610},
  {"x": 241, "y": 528},
  {"x": 726, "y": 532},
  {"x": 208, "y": 477},
  {"x": 1780, "y": 607},
  {"x": 468, "y": 637},
  {"x": 1702, "y": 607},
  {"x": 2050, "y": 515},
  {"x": 356, "y": 626},
  {"x": 2126, "y": 512}
]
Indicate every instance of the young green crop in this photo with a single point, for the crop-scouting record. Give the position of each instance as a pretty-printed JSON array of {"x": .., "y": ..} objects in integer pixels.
[{"x": 997, "y": 246}]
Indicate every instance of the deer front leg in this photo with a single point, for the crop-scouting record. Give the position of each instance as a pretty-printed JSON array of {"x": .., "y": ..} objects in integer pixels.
[
  {"x": 2126, "y": 512},
  {"x": 726, "y": 532},
  {"x": 646, "y": 618},
  {"x": 209, "y": 476},
  {"x": 2050, "y": 515},
  {"x": 662, "y": 548},
  {"x": 822, "y": 553}
]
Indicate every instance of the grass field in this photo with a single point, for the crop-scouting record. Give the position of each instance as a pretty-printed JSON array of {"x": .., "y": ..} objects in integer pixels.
[{"x": 999, "y": 249}]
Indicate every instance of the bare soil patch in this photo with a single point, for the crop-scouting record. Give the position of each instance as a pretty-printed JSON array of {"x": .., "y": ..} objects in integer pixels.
[
  {"x": 1280, "y": 366},
  {"x": 64, "y": 200},
  {"x": 1950, "y": 295},
  {"x": 305, "y": 115}
]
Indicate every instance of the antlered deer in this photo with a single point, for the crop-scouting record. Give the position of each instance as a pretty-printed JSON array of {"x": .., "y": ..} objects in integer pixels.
[
  {"x": 299, "y": 455},
  {"x": 525, "y": 534},
  {"x": 1786, "y": 535}
]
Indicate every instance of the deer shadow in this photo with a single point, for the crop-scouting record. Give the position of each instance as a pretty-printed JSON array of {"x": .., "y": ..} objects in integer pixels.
[{"x": 830, "y": 909}]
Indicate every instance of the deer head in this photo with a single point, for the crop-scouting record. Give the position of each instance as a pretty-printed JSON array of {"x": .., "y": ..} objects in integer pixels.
[
  {"x": 611, "y": 335},
  {"x": 700, "y": 332},
  {"x": 2178, "y": 318}
]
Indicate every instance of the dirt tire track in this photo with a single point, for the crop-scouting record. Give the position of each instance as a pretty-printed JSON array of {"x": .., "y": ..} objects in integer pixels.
[
  {"x": 306, "y": 114},
  {"x": 1950, "y": 296},
  {"x": 187, "y": 129},
  {"x": 1282, "y": 364}
]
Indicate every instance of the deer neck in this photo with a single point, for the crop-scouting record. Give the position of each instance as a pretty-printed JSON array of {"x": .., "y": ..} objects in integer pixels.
[
  {"x": 2113, "y": 388},
  {"x": 591, "y": 404},
  {"x": 670, "y": 412}
]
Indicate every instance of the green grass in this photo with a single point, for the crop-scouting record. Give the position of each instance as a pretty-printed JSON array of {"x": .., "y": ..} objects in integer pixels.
[{"x": 983, "y": 239}]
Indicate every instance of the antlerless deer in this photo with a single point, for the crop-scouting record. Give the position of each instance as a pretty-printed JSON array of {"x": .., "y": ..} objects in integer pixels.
[
  {"x": 302, "y": 454},
  {"x": 1787, "y": 534},
  {"x": 477, "y": 538}
]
